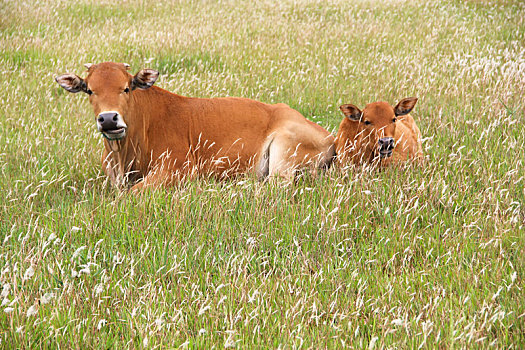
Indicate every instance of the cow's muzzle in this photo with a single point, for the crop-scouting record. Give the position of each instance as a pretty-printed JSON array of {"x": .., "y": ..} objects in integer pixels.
[
  {"x": 111, "y": 125},
  {"x": 386, "y": 146}
]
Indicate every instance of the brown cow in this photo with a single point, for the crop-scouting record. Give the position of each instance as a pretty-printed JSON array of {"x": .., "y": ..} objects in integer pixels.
[
  {"x": 155, "y": 137},
  {"x": 380, "y": 134}
]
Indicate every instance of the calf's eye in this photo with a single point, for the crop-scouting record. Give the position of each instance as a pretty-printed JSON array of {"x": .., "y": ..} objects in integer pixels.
[
  {"x": 126, "y": 90},
  {"x": 89, "y": 92},
  {"x": 394, "y": 120},
  {"x": 367, "y": 122}
]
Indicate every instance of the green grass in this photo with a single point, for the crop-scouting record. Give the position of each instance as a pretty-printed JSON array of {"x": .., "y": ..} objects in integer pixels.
[{"x": 429, "y": 256}]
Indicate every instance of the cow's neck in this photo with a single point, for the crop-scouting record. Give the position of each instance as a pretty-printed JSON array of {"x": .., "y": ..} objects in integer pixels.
[{"x": 128, "y": 156}]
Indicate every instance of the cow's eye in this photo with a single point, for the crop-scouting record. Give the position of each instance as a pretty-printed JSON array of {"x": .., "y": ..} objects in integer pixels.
[
  {"x": 394, "y": 120},
  {"x": 89, "y": 92},
  {"x": 126, "y": 90},
  {"x": 368, "y": 122}
]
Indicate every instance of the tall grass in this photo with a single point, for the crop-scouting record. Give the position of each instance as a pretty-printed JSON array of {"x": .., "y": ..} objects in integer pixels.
[{"x": 417, "y": 257}]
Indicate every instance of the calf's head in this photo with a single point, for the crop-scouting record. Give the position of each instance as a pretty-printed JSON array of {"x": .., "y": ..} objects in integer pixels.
[
  {"x": 109, "y": 86},
  {"x": 375, "y": 126}
]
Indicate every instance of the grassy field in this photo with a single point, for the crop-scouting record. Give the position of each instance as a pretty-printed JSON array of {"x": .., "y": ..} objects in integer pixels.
[{"x": 417, "y": 257}]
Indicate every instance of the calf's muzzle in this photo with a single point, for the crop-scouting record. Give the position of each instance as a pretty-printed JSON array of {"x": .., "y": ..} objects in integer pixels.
[{"x": 386, "y": 146}]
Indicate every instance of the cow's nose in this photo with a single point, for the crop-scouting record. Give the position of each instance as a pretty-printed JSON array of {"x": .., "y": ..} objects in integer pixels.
[
  {"x": 108, "y": 120},
  {"x": 386, "y": 143}
]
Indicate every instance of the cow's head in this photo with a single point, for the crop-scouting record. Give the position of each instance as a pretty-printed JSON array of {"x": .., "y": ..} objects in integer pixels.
[
  {"x": 376, "y": 125},
  {"x": 109, "y": 86}
]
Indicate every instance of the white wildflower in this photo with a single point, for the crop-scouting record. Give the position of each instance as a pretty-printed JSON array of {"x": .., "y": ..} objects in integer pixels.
[
  {"x": 203, "y": 309},
  {"x": 5, "y": 290},
  {"x": 336, "y": 209},
  {"x": 219, "y": 287},
  {"x": 99, "y": 288},
  {"x": 118, "y": 259},
  {"x": 33, "y": 310},
  {"x": 46, "y": 298},
  {"x": 372, "y": 343},
  {"x": 77, "y": 252},
  {"x": 230, "y": 342},
  {"x": 86, "y": 270},
  {"x": 101, "y": 324},
  {"x": 398, "y": 322},
  {"x": 496, "y": 295},
  {"x": 159, "y": 322},
  {"x": 29, "y": 273}
]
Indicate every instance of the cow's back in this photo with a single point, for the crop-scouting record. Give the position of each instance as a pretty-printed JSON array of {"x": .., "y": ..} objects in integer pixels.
[{"x": 222, "y": 135}]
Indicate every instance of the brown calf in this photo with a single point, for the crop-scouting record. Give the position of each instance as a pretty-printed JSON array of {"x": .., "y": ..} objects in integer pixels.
[{"x": 380, "y": 134}]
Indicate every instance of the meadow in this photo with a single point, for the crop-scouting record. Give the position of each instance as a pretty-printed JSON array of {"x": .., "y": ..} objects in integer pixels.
[{"x": 429, "y": 256}]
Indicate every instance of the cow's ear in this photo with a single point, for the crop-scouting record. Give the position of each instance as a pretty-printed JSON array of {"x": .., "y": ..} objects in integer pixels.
[
  {"x": 144, "y": 79},
  {"x": 71, "y": 82},
  {"x": 405, "y": 106},
  {"x": 351, "y": 112}
]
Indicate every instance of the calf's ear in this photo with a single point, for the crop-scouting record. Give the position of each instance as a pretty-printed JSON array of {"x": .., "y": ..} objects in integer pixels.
[
  {"x": 405, "y": 106},
  {"x": 351, "y": 112},
  {"x": 71, "y": 82},
  {"x": 144, "y": 79}
]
